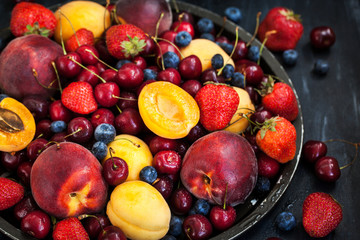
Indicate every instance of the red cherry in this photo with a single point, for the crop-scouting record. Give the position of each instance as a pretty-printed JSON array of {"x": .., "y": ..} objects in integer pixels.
[
  {"x": 115, "y": 171},
  {"x": 167, "y": 162},
  {"x": 149, "y": 47},
  {"x": 109, "y": 75},
  {"x": 184, "y": 16},
  {"x": 157, "y": 144},
  {"x": 89, "y": 75},
  {"x": 101, "y": 67},
  {"x": 107, "y": 94},
  {"x": 169, "y": 35},
  {"x": 260, "y": 116},
  {"x": 313, "y": 150},
  {"x": 23, "y": 172},
  {"x": 38, "y": 106},
  {"x": 87, "y": 53},
  {"x": 127, "y": 100},
  {"x": 254, "y": 95},
  {"x": 190, "y": 67},
  {"x": 102, "y": 115},
  {"x": 36, "y": 147},
  {"x": 22, "y": 208},
  {"x": 140, "y": 62},
  {"x": 210, "y": 75},
  {"x": 104, "y": 54},
  {"x": 222, "y": 39},
  {"x": 66, "y": 67},
  {"x": 170, "y": 75},
  {"x": 80, "y": 130},
  {"x": 162, "y": 47},
  {"x": 196, "y": 132},
  {"x": 252, "y": 71},
  {"x": 181, "y": 201},
  {"x": 197, "y": 227},
  {"x": 322, "y": 37},
  {"x": 58, "y": 111},
  {"x": 59, "y": 137},
  {"x": 164, "y": 185},
  {"x": 267, "y": 166},
  {"x": 37, "y": 224},
  {"x": 183, "y": 26},
  {"x": 241, "y": 51},
  {"x": 191, "y": 87},
  {"x": 12, "y": 160},
  {"x": 130, "y": 76},
  {"x": 221, "y": 218},
  {"x": 112, "y": 233},
  {"x": 129, "y": 121},
  {"x": 94, "y": 224},
  {"x": 43, "y": 129},
  {"x": 327, "y": 169}
]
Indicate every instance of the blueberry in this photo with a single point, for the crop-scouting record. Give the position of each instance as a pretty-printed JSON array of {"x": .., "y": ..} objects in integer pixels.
[
  {"x": 57, "y": 126},
  {"x": 105, "y": 132},
  {"x": 262, "y": 185},
  {"x": 228, "y": 71},
  {"x": 202, "y": 207},
  {"x": 254, "y": 53},
  {"x": 234, "y": 14},
  {"x": 321, "y": 67},
  {"x": 227, "y": 47},
  {"x": 99, "y": 149},
  {"x": 171, "y": 60},
  {"x": 183, "y": 38},
  {"x": 175, "y": 226},
  {"x": 208, "y": 36},
  {"x": 285, "y": 221},
  {"x": 238, "y": 80},
  {"x": 192, "y": 211},
  {"x": 217, "y": 61},
  {"x": 290, "y": 57},
  {"x": 168, "y": 237},
  {"x": 121, "y": 62},
  {"x": 148, "y": 174},
  {"x": 149, "y": 74},
  {"x": 205, "y": 25}
]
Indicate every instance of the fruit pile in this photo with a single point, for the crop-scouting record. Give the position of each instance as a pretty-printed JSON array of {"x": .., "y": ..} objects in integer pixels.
[{"x": 152, "y": 132}]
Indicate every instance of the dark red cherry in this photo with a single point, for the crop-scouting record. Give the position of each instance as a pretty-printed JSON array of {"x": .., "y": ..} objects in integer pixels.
[
  {"x": 12, "y": 160},
  {"x": 313, "y": 150},
  {"x": 38, "y": 106},
  {"x": 261, "y": 116},
  {"x": 157, "y": 144},
  {"x": 129, "y": 121},
  {"x": 164, "y": 184},
  {"x": 322, "y": 37},
  {"x": 327, "y": 169},
  {"x": 37, "y": 224},
  {"x": 162, "y": 47},
  {"x": 22, "y": 208},
  {"x": 169, "y": 35},
  {"x": 58, "y": 111},
  {"x": 170, "y": 75},
  {"x": 267, "y": 166},
  {"x": 66, "y": 67},
  {"x": 80, "y": 130},
  {"x": 102, "y": 115},
  {"x": 180, "y": 26},
  {"x": 111, "y": 233},
  {"x": 221, "y": 218},
  {"x": 109, "y": 75},
  {"x": 130, "y": 76},
  {"x": 140, "y": 62},
  {"x": 253, "y": 94},
  {"x": 184, "y": 16},
  {"x": 127, "y": 100},
  {"x": 23, "y": 173},
  {"x": 167, "y": 162},
  {"x": 94, "y": 224},
  {"x": 59, "y": 137},
  {"x": 106, "y": 94},
  {"x": 191, "y": 86},
  {"x": 104, "y": 54},
  {"x": 190, "y": 67},
  {"x": 252, "y": 71},
  {"x": 149, "y": 47},
  {"x": 89, "y": 54},
  {"x": 210, "y": 75},
  {"x": 36, "y": 147},
  {"x": 196, "y": 132},
  {"x": 89, "y": 75},
  {"x": 115, "y": 171},
  {"x": 181, "y": 201},
  {"x": 241, "y": 51},
  {"x": 197, "y": 227},
  {"x": 43, "y": 129}
]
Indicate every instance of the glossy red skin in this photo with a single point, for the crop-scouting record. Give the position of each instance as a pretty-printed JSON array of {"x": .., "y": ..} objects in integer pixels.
[
  {"x": 157, "y": 144},
  {"x": 109, "y": 75},
  {"x": 66, "y": 66},
  {"x": 87, "y": 57},
  {"x": 58, "y": 111},
  {"x": 43, "y": 129},
  {"x": 164, "y": 184},
  {"x": 313, "y": 150},
  {"x": 129, "y": 100},
  {"x": 115, "y": 171},
  {"x": 102, "y": 115},
  {"x": 191, "y": 86},
  {"x": 162, "y": 47},
  {"x": 218, "y": 161},
  {"x": 129, "y": 122},
  {"x": 130, "y": 76},
  {"x": 89, "y": 75},
  {"x": 22, "y": 208},
  {"x": 282, "y": 101},
  {"x": 86, "y": 130},
  {"x": 170, "y": 75},
  {"x": 197, "y": 227},
  {"x": 267, "y": 166},
  {"x": 288, "y": 31},
  {"x": 35, "y": 147},
  {"x": 38, "y": 106},
  {"x": 221, "y": 218},
  {"x": 167, "y": 162},
  {"x": 241, "y": 51},
  {"x": 322, "y": 37},
  {"x": 181, "y": 201},
  {"x": 94, "y": 224},
  {"x": 140, "y": 62},
  {"x": 327, "y": 169},
  {"x": 251, "y": 70},
  {"x": 183, "y": 26},
  {"x": 37, "y": 224},
  {"x": 52, "y": 183},
  {"x": 112, "y": 233},
  {"x": 169, "y": 35},
  {"x": 28, "y": 53},
  {"x": 23, "y": 172},
  {"x": 12, "y": 160},
  {"x": 190, "y": 67},
  {"x": 106, "y": 94}
]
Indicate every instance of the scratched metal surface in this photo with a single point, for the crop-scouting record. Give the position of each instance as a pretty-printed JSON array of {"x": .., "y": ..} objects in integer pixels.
[{"x": 330, "y": 104}]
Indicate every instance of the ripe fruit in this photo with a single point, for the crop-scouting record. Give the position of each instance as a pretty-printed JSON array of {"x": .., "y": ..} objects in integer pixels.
[
  {"x": 125, "y": 41},
  {"x": 69, "y": 228},
  {"x": 32, "y": 18},
  {"x": 322, "y": 37},
  {"x": 285, "y": 221},
  {"x": 313, "y": 150},
  {"x": 10, "y": 193},
  {"x": 221, "y": 217},
  {"x": 115, "y": 171},
  {"x": 321, "y": 214},
  {"x": 81, "y": 37},
  {"x": 36, "y": 224},
  {"x": 181, "y": 201},
  {"x": 327, "y": 169},
  {"x": 167, "y": 162},
  {"x": 197, "y": 227},
  {"x": 110, "y": 233},
  {"x": 277, "y": 139},
  {"x": 218, "y": 104},
  {"x": 288, "y": 29}
]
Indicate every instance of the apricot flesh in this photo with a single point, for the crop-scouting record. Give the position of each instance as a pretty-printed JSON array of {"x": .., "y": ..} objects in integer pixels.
[
  {"x": 81, "y": 14},
  {"x": 168, "y": 110},
  {"x": 139, "y": 210},
  {"x": 16, "y": 140},
  {"x": 205, "y": 49}
]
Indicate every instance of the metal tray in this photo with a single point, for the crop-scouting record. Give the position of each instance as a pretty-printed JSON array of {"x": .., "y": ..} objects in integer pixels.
[{"x": 254, "y": 209}]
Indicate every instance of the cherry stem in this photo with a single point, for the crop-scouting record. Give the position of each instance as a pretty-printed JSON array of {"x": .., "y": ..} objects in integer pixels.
[
  {"x": 111, "y": 151},
  {"x": 61, "y": 36},
  {"x": 72, "y": 27},
  {"x": 35, "y": 74},
  {"x": 129, "y": 99},
  {"x": 77, "y": 130},
  {"x": 72, "y": 59},
  {"x": 106, "y": 6},
  {"x": 92, "y": 53},
  {"x": 135, "y": 144},
  {"x": 226, "y": 189},
  {"x": 163, "y": 39},
  {"x": 222, "y": 27},
  {"x": 175, "y": 6},
  {"x": 267, "y": 34},
  {"x": 233, "y": 50},
  {"x": 57, "y": 75},
  {"x": 256, "y": 29},
  {"x": 158, "y": 24},
  {"x": 356, "y": 145},
  {"x": 161, "y": 55}
]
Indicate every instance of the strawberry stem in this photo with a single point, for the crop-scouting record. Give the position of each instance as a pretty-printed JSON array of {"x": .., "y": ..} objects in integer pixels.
[{"x": 256, "y": 29}]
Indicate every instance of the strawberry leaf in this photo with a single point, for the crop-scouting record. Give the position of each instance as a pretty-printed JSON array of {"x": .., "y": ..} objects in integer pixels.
[{"x": 132, "y": 47}]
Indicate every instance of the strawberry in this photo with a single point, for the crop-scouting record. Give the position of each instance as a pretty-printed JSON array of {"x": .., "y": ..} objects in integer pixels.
[
  {"x": 70, "y": 228},
  {"x": 321, "y": 214},
  {"x": 218, "y": 104},
  {"x": 125, "y": 41},
  {"x": 79, "y": 38},
  {"x": 10, "y": 193},
  {"x": 79, "y": 98},
  {"x": 280, "y": 99},
  {"x": 287, "y": 25},
  {"x": 277, "y": 139},
  {"x": 32, "y": 18}
]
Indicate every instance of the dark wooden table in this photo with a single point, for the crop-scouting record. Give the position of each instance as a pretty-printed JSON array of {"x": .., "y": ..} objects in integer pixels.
[{"x": 330, "y": 105}]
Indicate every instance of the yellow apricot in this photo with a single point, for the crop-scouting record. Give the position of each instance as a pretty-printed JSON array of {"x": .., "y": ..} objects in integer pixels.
[
  {"x": 168, "y": 110},
  {"x": 139, "y": 210},
  {"x": 133, "y": 150},
  {"x": 205, "y": 49},
  {"x": 16, "y": 140},
  {"x": 81, "y": 14},
  {"x": 238, "y": 123}
]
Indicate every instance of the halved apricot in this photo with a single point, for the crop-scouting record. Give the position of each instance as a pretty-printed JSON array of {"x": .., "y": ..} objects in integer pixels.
[
  {"x": 168, "y": 110},
  {"x": 17, "y": 125}
]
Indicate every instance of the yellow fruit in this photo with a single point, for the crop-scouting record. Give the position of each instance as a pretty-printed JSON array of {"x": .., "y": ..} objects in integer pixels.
[
  {"x": 13, "y": 137},
  {"x": 168, "y": 110},
  {"x": 81, "y": 14},
  {"x": 139, "y": 210},
  {"x": 238, "y": 123},
  {"x": 205, "y": 50},
  {"x": 133, "y": 150}
]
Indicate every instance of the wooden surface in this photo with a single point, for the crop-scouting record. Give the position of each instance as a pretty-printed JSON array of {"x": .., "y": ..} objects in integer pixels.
[{"x": 330, "y": 105}]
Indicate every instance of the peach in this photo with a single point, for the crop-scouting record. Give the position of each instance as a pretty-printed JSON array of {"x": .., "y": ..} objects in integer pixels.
[
  {"x": 133, "y": 150},
  {"x": 205, "y": 49},
  {"x": 218, "y": 164},
  {"x": 81, "y": 14},
  {"x": 238, "y": 123},
  {"x": 66, "y": 180},
  {"x": 17, "y": 125},
  {"x": 18, "y": 61},
  {"x": 168, "y": 110},
  {"x": 139, "y": 210}
]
